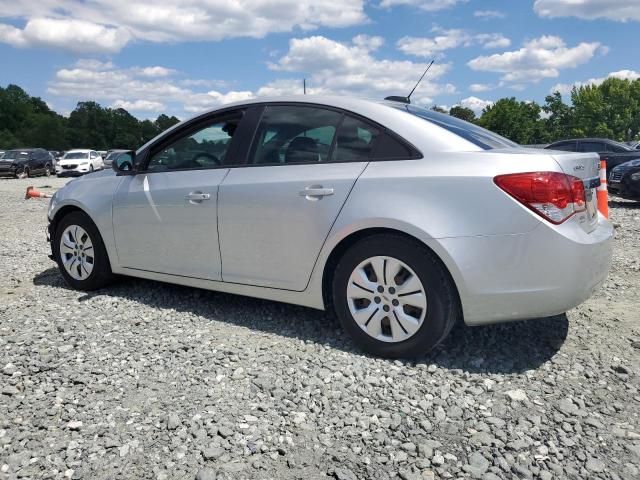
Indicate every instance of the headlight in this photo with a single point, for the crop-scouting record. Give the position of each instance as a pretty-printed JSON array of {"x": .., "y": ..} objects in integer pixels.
[
  {"x": 52, "y": 204},
  {"x": 633, "y": 163},
  {"x": 84, "y": 163},
  {"x": 635, "y": 176}
]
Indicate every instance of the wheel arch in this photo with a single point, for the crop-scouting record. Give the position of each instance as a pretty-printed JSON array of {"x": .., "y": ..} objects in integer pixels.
[
  {"x": 63, "y": 212},
  {"x": 345, "y": 243}
]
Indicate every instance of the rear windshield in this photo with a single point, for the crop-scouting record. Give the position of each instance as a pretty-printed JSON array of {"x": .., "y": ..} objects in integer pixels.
[
  {"x": 76, "y": 155},
  {"x": 479, "y": 136}
]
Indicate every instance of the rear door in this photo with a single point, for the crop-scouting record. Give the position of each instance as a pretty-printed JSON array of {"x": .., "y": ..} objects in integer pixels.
[
  {"x": 277, "y": 209},
  {"x": 165, "y": 217}
]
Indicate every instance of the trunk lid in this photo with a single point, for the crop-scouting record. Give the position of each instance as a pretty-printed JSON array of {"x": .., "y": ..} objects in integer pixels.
[{"x": 586, "y": 167}]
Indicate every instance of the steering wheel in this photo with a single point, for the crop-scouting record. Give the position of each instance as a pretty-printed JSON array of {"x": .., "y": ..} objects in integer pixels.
[{"x": 208, "y": 156}]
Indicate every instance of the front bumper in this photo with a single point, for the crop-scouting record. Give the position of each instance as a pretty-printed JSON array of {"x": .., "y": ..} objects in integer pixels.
[
  {"x": 72, "y": 172},
  {"x": 532, "y": 275},
  {"x": 8, "y": 172}
]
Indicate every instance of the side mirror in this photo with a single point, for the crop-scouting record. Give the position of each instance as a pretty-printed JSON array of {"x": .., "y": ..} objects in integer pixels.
[{"x": 123, "y": 163}]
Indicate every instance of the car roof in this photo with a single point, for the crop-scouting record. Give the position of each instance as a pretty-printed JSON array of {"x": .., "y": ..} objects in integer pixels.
[
  {"x": 23, "y": 150},
  {"x": 586, "y": 139},
  {"x": 425, "y": 136},
  {"x": 80, "y": 150}
]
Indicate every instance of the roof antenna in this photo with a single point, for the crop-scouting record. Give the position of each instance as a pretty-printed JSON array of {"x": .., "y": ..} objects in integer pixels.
[
  {"x": 407, "y": 99},
  {"x": 304, "y": 86}
]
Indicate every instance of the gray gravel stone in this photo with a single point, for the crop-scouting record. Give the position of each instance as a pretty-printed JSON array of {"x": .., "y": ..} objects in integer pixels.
[{"x": 164, "y": 382}]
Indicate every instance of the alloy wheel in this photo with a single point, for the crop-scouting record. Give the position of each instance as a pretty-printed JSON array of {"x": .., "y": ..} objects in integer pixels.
[
  {"x": 386, "y": 299},
  {"x": 76, "y": 252}
]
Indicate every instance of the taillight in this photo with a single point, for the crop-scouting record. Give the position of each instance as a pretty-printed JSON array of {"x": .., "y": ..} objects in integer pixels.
[{"x": 552, "y": 195}]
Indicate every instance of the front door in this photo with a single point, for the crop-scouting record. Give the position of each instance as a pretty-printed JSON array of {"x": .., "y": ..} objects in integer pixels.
[
  {"x": 277, "y": 210},
  {"x": 165, "y": 217}
]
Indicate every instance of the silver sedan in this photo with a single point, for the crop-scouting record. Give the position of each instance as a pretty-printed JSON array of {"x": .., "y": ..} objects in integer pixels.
[{"x": 401, "y": 220}]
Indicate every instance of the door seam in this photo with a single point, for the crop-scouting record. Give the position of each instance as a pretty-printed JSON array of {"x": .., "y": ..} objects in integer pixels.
[{"x": 218, "y": 221}]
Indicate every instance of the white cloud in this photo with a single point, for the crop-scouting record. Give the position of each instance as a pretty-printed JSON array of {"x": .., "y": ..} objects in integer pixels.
[
  {"x": 352, "y": 69},
  {"x": 480, "y": 87},
  {"x": 68, "y": 34},
  {"x": 488, "y": 14},
  {"x": 618, "y": 10},
  {"x": 540, "y": 58},
  {"x": 330, "y": 67},
  {"x": 476, "y": 104},
  {"x": 135, "y": 89},
  {"x": 428, "y": 5},
  {"x": 565, "y": 88},
  {"x": 108, "y": 25},
  {"x": 156, "y": 71},
  {"x": 140, "y": 105},
  {"x": 449, "y": 39}
]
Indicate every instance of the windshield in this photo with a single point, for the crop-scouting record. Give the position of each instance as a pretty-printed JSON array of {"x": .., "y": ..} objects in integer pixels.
[
  {"x": 479, "y": 136},
  {"x": 76, "y": 155},
  {"x": 622, "y": 146},
  {"x": 15, "y": 154},
  {"x": 112, "y": 155}
]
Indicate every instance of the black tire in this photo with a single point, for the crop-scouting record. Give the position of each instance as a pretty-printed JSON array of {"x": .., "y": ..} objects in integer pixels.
[
  {"x": 442, "y": 298},
  {"x": 91, "y": 168},
  {"x": 101, "y": 274},
  {"x": 47, "y": 170},
  {"x": 23, "y": 174}
]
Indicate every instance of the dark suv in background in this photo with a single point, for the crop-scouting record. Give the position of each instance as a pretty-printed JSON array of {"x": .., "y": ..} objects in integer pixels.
[
  {"x": 26, "y": 162},
  {"x": 614, "y": 153}
]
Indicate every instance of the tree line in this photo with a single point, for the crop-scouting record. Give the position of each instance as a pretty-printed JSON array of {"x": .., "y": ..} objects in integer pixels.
[
  {"x": 610, "y": 110},
  {"x": 27, "y": 121}
]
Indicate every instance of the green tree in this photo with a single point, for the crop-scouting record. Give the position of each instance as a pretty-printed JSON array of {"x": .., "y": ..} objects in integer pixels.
[
  {"x": 463, "y": 113},
  {"x": 560, "y": 117},
  {"x": 516, "y": 120}
]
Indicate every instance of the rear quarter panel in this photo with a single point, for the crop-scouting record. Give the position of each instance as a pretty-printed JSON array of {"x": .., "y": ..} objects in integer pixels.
[{"x": 448, "y": 195}]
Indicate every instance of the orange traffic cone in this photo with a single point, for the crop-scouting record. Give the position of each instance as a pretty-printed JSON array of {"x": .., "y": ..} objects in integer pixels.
[
  {"x": 601, "y": 191},
  {"x": 33, "y": 193}
]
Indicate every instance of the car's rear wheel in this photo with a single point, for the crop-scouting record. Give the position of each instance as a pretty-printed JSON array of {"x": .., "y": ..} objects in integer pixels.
[
  {"x": 394, "y": 296},
  {"x": 80, "y": 253}
]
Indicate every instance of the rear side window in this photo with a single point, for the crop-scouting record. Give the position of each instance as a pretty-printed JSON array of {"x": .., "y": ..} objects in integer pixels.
[
  {"x": 356, "y": 141},
  {"x": 565, "y": 147},
  {"x": 479, "y": 136},
  {"x": 592, "y": 147},
  {"x": 294, "y": 134}
]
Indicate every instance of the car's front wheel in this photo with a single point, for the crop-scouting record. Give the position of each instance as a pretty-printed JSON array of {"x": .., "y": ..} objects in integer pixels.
[
  {"x": 80, "y": 253},
  {"x": 393, "y": 296},
  {"x": 47, "y": 170}
]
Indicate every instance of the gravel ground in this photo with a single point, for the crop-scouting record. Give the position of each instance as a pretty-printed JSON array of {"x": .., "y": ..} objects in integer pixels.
[{"x": 146, "y": 380}]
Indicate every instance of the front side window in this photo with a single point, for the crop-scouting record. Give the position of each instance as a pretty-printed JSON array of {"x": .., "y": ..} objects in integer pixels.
[
  {"x": 206, "y": 147},
  {"x": 294, "y": 134}
]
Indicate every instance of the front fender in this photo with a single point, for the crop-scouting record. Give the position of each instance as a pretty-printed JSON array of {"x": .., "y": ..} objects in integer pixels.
[{"x": 94, "y": 196}]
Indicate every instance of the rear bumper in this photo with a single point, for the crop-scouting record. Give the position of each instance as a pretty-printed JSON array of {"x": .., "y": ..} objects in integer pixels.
[{"x": 537, "y": 274}]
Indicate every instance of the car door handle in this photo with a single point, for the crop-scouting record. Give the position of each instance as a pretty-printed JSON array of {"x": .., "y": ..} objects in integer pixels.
[
  {"x": 197, "y": 197},
  {"x": 316, "y": 191}
]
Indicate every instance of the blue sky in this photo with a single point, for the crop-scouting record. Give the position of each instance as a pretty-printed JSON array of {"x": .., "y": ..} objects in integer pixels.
[{"x": 183, "y": 56}]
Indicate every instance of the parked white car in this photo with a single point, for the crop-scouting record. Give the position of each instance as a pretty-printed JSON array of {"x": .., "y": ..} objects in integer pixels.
[{"x": 79, "y": 162}]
